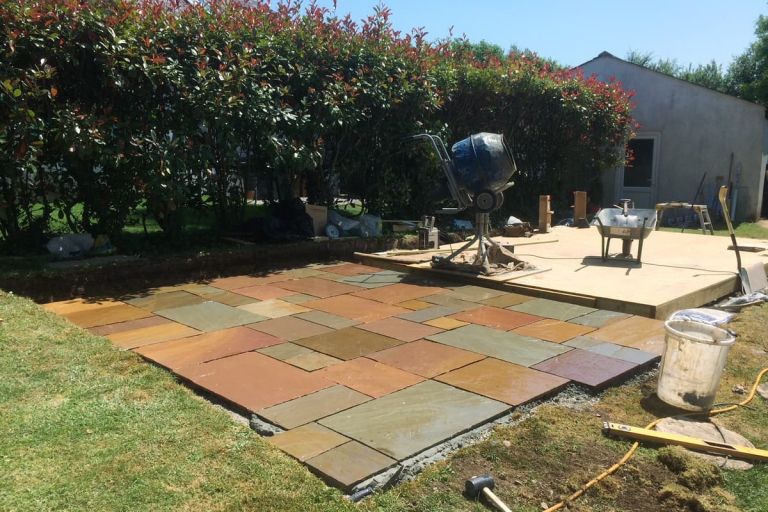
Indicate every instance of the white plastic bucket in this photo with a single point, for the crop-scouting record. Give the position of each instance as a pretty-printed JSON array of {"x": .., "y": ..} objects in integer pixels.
[{"x": 693, "y": 363}]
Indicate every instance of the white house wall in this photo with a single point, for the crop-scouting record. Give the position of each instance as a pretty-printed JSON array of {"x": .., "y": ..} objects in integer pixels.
[{"x": 699, "y": 128}]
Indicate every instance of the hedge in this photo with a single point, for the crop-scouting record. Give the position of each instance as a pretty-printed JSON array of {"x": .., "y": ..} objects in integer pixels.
[{"x": 107, "y": 106}]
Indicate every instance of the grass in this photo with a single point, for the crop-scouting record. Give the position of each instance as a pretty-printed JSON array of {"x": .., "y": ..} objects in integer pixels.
[
  {"x": 86, "y": 427},
  {"x": 742, "y": 230}
]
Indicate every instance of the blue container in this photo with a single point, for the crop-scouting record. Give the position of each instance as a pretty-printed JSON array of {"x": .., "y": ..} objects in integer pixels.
[{"x": 482, "y": 162}]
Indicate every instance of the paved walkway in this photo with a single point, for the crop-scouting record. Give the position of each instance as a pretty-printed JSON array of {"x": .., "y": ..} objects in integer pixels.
[{"x": 364, "y": 368}]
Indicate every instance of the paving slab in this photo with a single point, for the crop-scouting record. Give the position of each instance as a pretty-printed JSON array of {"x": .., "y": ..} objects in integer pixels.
[
  {"x": 506, "y": 300},
  {"x": 631, "y": 355},
  {"x": 298, "y": 298},
  {"x": 206, "y": 347},
  {"x": 584, "y": 342},
  {"x": 409, "y": 421},
  {"x": 553, "y": 330},
  {"x": 106, "y": 330},
  {"x": 349, "y": 464},
  {"x": 351, "y": 269},
  {"x": 506, "y": 382},
  {"x": 67, "y": 307},
  {"x": 230, "y": 283},
  {"x": 272, "y": 308},
  {"x": 474, "y": 293},
  {"x": 290, "y": 328},
  {"x": 636, "y": 332},
  {"x": 447, "y": 299},
  {"x": 400, "y": 329},
  {"x": 307, "y": 441},
  {"x": 312, "y": 361},
  {"x": 155, "y": 301},
  {"x": 263, "y": 292},
  {"x": 149, "y": 335},
  {"x": 369, "y": 377},
  {"x": 313, "y": 407},
  {"x": 348, "y": 343},
  {"x": 355, "y": 308},
  {"x": 552, "y": 309},
  {"x": 322, "y": 288},
  {"x": 507, "y": 346},
  {"x": 414, "y": 304},
  {"x": 429, "y": 313},
  {"x": 283, "y": 351},
  {"x": 108, "y": 315},
  {"x": 497, "y": 318},
  {"x": 210, "y": 316},
  {"x": 599, "y": 318},
  {"x": 589, "y": 368},
  {"x": 426, "y": 358},
  {"x": 327, "y": 319},
  {"x": 398, "y": 293},
  {"x": 229, "y": 298},
  {"x": 254, "y": 381},
  {"x": 446, "y": 323}
]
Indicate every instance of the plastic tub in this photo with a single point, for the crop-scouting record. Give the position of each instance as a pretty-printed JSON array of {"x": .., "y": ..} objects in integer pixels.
[{"x": 693, "y": 364}]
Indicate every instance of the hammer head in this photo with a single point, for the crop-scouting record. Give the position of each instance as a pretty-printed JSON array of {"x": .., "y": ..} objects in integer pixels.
[{"x": 475, "y": 485}]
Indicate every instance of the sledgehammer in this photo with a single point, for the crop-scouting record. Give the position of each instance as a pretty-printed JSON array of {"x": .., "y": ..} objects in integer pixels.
[{"x": 484, "y": 484}]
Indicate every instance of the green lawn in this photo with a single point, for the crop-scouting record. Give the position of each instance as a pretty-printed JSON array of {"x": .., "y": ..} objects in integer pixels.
[{"x": 742, "y": 230}]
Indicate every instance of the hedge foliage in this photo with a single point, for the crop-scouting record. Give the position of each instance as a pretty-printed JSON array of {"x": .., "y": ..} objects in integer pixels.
[{"x": 108, "y": 105}]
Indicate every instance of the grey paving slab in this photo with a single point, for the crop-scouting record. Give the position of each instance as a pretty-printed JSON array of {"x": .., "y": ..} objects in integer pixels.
[
  {"x": 327, "y": 319},
  {"x": 284, "y": 351},
  {"x": 411, "y": 420},
  {"x": 313, "y": 407},
  {"x": 631, "y": 355},
  {"x": 448, "y": 299},
  {"x": 584, "y": 342},
  {"x": 507, "y": 346},
  {"x": 210, "y": 316},
  {"x": 475, "y": 293},
  {"x": 348, "y": 464},
  {"x": 552, "y": 309},
  {"x": 422, "y": 315},
  {"x": 599, "y": 318}
]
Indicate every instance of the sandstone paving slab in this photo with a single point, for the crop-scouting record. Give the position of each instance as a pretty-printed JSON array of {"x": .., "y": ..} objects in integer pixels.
[
  {"x": 229, "y": 298},
  {"x": 369, "y": 377},
  {"x": 553, "y": 330},
  {"x": 414, "y": 304},
  {"x": 312, "y": 361},
  {"x": 409, "y": 421},
  {"x": 67, "y": 307},
  {"x": 210, "y": 316},
  {"x": 446, "y": 323},
  {"x": 149, "y": 335},
  {"x": 506, "y": 346},
  {"x": 307, "y": 441},
  {"x": 202, "y": 289},
  {"x": 584, "y": 342},
  {"x": 206, "y": 347},
  {"x": 290, "y": 328},
  {"x": 351, "y": 269},
  {"x": 155, "y": 301},
  {"x": 327, "y": 319},
  {"x": 552, "y": 309},
  {"x": 400, "y": 329},
  {"x": 506, "y": 300},
  {"x": 429, "y": 313},
  {"x": 497, "y": 318},
  {"x": 348, "y": 343},
  {"x": 426, "y": 358},
  {"x": 263, "y": 292},
  {"x": 313, "y": 407},
  {"x": 349, "y": 464},
  {"x": 107, "y": 315},
  {"x": 631, "y": 355},
  {"x": 447, "y": 299},
  {"x": 355, "y": 308},
  {"x": 636, "y": 332},
  {"x": 254, "y": 381},
  {"x": 599, "y": 318},
  {"x": 283, "y": 351},
  {"x": 106, "y": 330},
  {"x": 585, "y": 367},
  {"x": 475, "y": 293},
  {"x": 322, "y": 288},
  {"x": 506, "y": 382},
  {"x": 298, "y": 298},
  {"x": 272, "y": 308},
  {"x": 230, "y": 283},
  {"x": 398, "y": 293}
]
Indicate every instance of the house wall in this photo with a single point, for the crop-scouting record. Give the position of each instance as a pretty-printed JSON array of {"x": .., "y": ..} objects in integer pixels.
[{"x": 698, "y": 129}]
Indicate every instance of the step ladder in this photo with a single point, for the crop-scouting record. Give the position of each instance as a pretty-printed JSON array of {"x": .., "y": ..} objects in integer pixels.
[{"x": 701, "y": 210}]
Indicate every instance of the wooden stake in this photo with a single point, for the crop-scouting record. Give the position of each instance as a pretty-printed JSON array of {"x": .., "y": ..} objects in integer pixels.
[
  {"x": 545, "y": 214},
  {"x": 580, "y": 209}
]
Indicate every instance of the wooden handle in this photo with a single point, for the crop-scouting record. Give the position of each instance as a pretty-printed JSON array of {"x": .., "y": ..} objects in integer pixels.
[{"x": 495, "y": 500}]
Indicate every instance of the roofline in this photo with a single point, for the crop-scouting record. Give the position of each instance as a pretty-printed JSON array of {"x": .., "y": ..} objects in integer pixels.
[{"x": 610, "y": 55}]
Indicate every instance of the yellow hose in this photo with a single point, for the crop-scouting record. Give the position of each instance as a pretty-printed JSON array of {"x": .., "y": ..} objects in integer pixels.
[{"x": 636, "y": 444}]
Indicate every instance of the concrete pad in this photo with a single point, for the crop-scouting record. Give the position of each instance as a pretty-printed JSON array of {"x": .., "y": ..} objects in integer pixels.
[
  {"x": 414, "y": 419},
  {"x": 307, "y": 441},
  {"x": 594, "y": 370},
  {"x": 426, "y": 358},
  {"x": 400, "y": 329},
  {"x": 290, "y": 328},
  {"x": 446, "y": 323},
  {"x": 313, "y": 407},
  {"x": 149, "y": 335},
  {"x": 495, "y": 317},
  {"x": 348, "y": 343},
  {"x": 349, "y": 464},
  {"x": 355, "y": 308},
  {"x": 108, "y": 315},
  {"x": 272, "y": 308},
  {"x": 506, "y": 346},
  {"x": 398, "y": 293},
  {"x": 369, "y": 377},
  {"x": 552, "y": 309},
  {"x": 317, "y": 287},
  {"x": 210, "y": 316},
  {"x": 327, "y": 319},
  {"x": 599, "y": 318},
  {"x": 509, "y": 383},
  {"x": 553, "y": 330},
  {"x": 155, "y": 301}
]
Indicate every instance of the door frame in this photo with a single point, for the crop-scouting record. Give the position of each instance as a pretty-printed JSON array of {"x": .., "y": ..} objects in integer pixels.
[{"x": 619, "y": 185}]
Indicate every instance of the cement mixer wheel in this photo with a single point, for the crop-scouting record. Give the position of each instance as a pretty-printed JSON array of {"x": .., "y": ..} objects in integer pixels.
[{"x": 486, "y": 201}]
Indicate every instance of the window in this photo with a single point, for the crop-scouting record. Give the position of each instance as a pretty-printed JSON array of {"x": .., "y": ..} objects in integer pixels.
[{"x": 639, "y": 172}]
